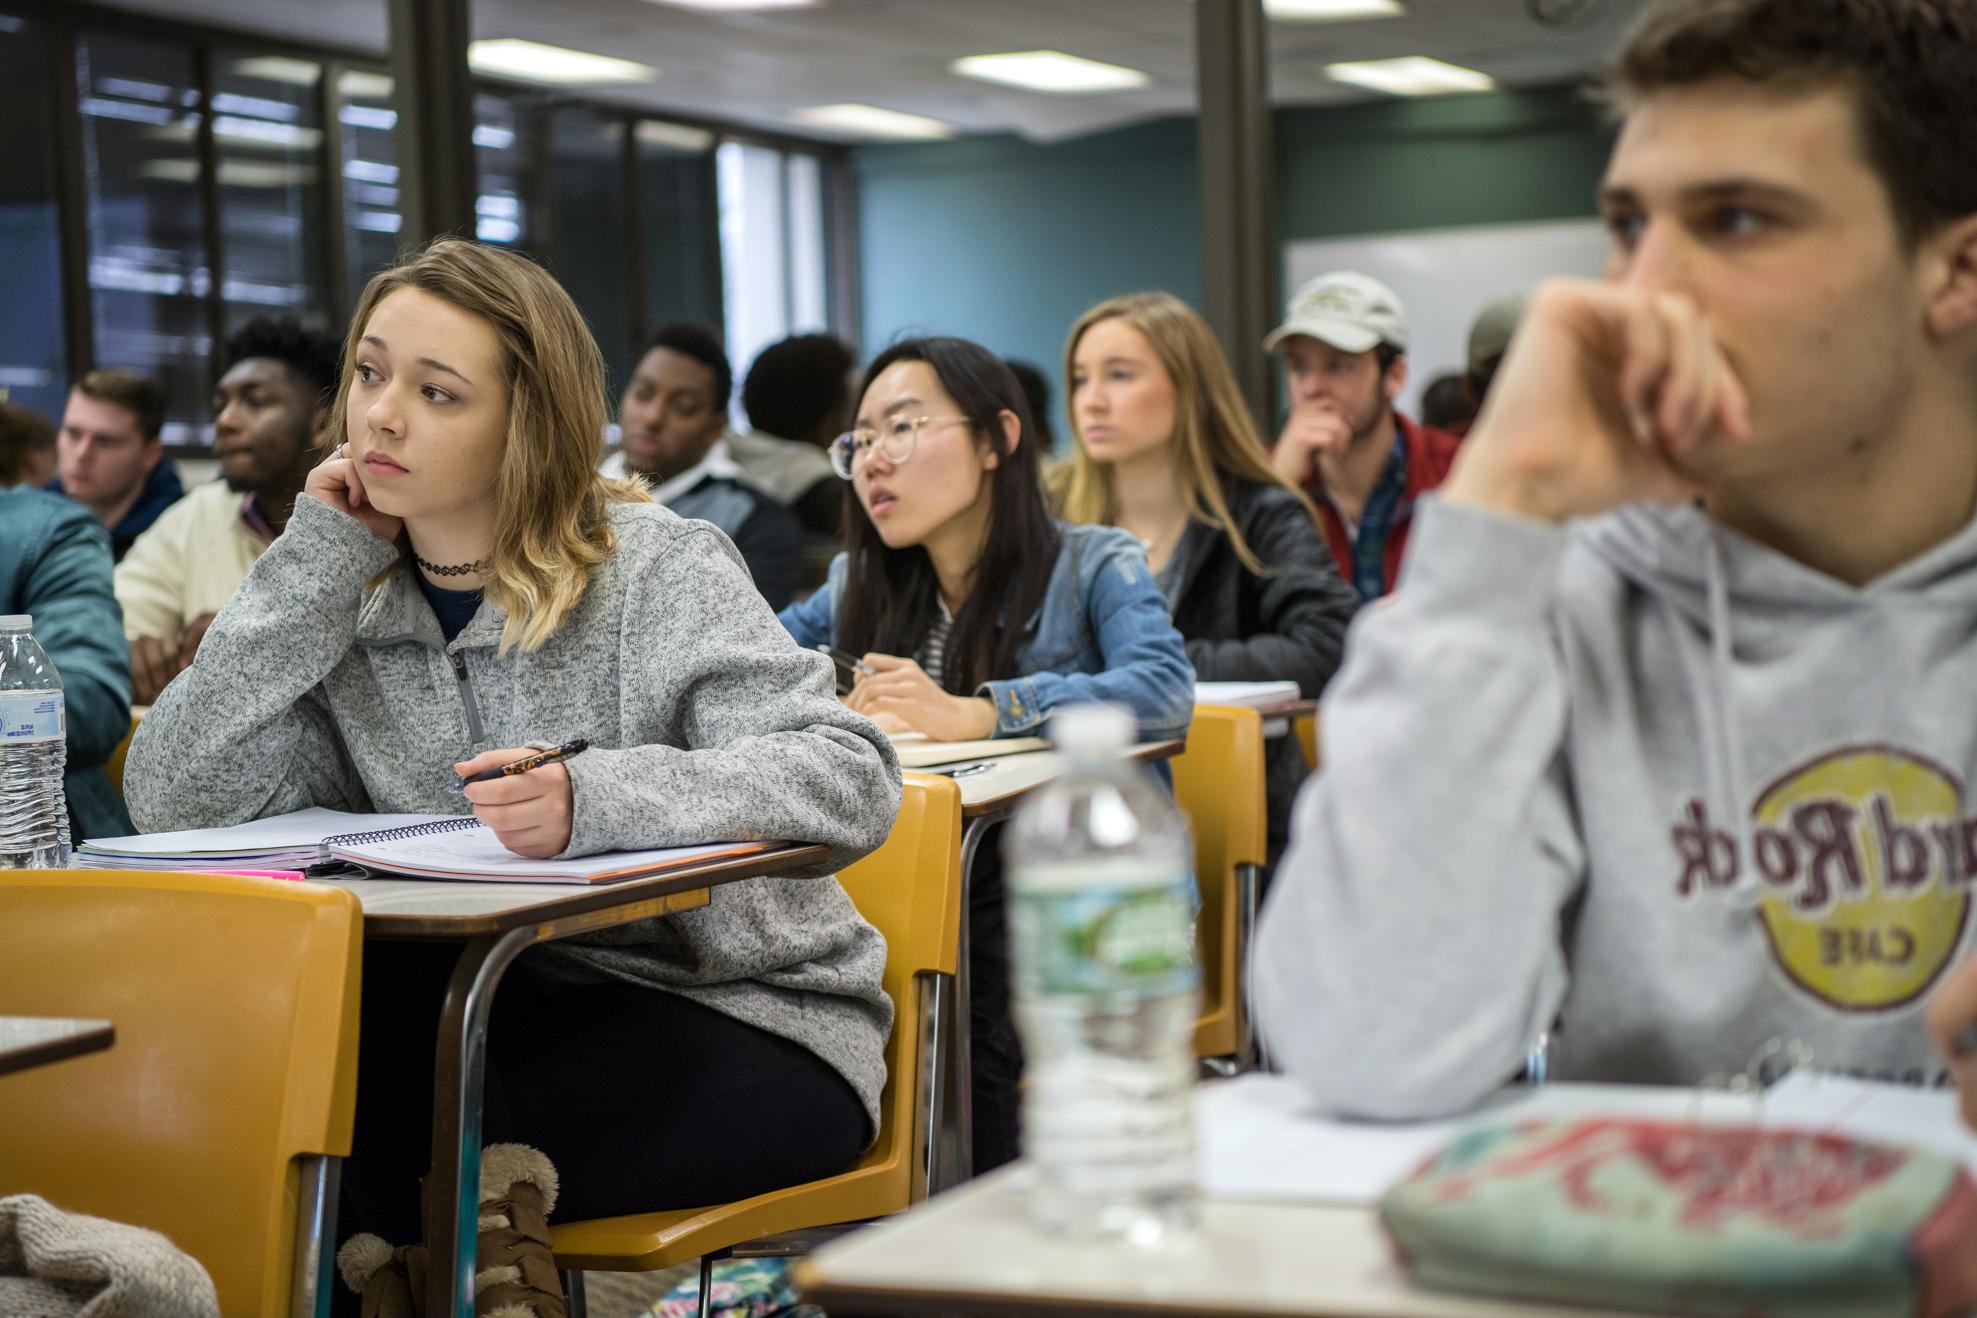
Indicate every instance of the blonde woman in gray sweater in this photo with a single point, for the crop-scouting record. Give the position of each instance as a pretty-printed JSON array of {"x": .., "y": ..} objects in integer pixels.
[{"x": 457, "y": 582}]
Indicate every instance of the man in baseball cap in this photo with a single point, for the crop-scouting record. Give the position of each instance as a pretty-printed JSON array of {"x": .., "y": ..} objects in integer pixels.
[
  {"x": 1489, "y": 338},
  {"x": 1344, "y": 344}
]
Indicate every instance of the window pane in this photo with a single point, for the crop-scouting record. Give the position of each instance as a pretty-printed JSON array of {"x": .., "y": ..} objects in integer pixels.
[
  {"x": 590, "y": 244},
  {"x": 681, "y": 223},
  {"x": 147, "y": 265},
  {"x": 806, "y": 244},
  {"x": 500, "y": 158},
  {"x": 32, "y": 370},
  {"x": 371, "y": 218},
  {"x": 754, "y": 272},
  {"x": 267, "y": 144}
]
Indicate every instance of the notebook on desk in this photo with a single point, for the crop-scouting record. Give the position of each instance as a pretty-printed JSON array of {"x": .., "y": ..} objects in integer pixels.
[
  {"x": 414, "y": 846},
  {"x": 1257, "y": 695},
  {"x": 918, "y": 751}
]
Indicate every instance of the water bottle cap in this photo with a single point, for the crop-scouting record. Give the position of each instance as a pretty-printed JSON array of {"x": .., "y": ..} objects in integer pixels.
[
  {"x": 1093, "y": 729},
  {"x": 16, "y": 622}
]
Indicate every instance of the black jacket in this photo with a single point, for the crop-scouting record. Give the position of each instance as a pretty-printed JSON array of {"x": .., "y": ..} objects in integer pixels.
[{"x": 1286, "y": 626}]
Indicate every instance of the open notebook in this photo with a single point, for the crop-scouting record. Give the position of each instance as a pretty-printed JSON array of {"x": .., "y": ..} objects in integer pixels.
[
  {"x": 918, "y": 751},
  {"x": 418, "y": 846}
]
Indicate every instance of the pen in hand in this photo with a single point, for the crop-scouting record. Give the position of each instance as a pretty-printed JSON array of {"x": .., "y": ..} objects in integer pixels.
[
  {"x": 523, "y": 765},
  {"x": 845, "y": 658}
]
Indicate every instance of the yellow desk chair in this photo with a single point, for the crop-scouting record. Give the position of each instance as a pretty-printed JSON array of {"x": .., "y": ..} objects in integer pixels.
[
  {"x": 218, "y": 1115},
  {"x": 1307, "y": 739},
  {"x": 910, "y": 889},
  {"x": 1218, "y": 783},
  {"x": 114, "y": 766}
]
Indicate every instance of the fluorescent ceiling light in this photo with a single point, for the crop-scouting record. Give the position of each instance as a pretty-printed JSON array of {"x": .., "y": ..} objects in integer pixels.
[
  {"x": 534, "y": 62},
  {"x": 1050, "y": 71},
  {"x": 1411, "y": 75},
  {"x": 857, "y": 120},
  {"x": 737, "y": 6},
  {"x": 232, "y": 173},
  {"x": 654, "y": 132},
  {"x": 365, "y": 86},
  {"x": 1331, "y": 11},
  {"x": 279, "y": 68}
]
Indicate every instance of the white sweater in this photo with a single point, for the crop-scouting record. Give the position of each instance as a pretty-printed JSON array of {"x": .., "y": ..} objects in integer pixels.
[{"x": 189, "y": 562}]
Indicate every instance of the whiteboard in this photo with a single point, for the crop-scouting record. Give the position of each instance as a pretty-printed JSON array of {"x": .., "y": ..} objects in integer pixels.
[{"x": 1443, "y": 277}]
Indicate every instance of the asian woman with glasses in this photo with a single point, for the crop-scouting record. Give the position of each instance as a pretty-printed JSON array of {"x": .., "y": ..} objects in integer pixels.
[{"x": 977, "y": 614}]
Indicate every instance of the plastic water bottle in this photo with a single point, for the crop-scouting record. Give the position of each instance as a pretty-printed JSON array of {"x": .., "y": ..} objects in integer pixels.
[
  {"x": 34, "y": 752},
  {"x": 1102, "y": 903}
]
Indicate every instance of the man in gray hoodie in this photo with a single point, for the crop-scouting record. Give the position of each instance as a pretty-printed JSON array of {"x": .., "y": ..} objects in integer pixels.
[{"x": 1662, "y": 743}]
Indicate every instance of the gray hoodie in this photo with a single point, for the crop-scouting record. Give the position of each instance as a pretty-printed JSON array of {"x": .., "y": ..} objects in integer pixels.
[
  {"x": 706, "y": 723},
  {"x": 1645, "y": 780}
]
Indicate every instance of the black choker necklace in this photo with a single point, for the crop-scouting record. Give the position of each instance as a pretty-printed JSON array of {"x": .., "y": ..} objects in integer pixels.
[{"x": 450, "y": 570}]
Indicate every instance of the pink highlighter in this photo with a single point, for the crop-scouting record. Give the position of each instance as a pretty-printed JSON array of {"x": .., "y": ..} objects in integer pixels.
[{"x": 293, "y": 876}]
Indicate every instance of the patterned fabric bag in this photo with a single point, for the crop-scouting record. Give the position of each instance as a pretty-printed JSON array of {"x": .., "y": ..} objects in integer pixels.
[
  {"x": 743, "y": 1288},
  {"x": 1677, "y": 1218}
]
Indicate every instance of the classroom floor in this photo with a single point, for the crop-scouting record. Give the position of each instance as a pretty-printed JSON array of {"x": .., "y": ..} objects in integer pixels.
[{"x": 630, "y": 1294}]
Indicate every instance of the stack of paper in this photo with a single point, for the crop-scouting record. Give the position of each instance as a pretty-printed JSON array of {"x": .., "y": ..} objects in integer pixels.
[
  {"x": 918, "y": 751},
  {"x": 1257, "y": 695}
]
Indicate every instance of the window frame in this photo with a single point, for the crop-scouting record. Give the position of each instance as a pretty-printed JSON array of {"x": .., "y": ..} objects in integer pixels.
[{"x": 61, "y": 24}]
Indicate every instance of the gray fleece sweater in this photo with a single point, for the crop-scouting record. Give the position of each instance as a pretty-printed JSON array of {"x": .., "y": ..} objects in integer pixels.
[{"x": 706, "y": 722}]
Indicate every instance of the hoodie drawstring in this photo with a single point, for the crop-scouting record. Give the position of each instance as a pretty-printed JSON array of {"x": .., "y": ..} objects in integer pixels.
[{"x": 1727, "y": 774}]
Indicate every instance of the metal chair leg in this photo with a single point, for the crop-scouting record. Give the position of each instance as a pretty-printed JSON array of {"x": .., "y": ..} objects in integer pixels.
[
  {"x": 575, "y": 1305},
  {"x": 706, "y": 1309}
]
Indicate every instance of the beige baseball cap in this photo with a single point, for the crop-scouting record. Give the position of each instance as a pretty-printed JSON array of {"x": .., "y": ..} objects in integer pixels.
[
  {"x": 1350, "y": 311},
  {"x": 1492, "y": 329}
]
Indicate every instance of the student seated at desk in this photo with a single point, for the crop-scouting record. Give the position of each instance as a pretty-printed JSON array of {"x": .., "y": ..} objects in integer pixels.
[
  {"x": 978, "y": 615},
  {"x": 1666, "y": 736},
  {"x": 1165, "y": 448},
  {"x": 458, "y": 581}
]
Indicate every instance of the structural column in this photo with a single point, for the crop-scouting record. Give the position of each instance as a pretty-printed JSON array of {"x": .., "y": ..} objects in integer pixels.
[
  {"x": 434, "y": 96},
  {"x": 1238, "y": 248}
]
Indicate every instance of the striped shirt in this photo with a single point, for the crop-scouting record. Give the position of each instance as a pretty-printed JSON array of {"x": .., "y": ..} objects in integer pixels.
[{"x": 932, "y": 657}]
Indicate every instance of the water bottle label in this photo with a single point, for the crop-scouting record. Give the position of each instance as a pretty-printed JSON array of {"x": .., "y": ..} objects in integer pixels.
[
  {"x": 30, "y": 716},
  {"x": 1106, "y": 939}
]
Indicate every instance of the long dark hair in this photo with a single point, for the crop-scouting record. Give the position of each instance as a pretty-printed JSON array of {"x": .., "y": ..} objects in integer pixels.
[{"x": 890, "y": 595}]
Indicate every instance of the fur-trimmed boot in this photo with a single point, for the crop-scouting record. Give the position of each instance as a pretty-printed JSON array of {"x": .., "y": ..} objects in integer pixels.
[
  {"x": 516, "y": 1275},
  {"x": 392, "y": 1282}
]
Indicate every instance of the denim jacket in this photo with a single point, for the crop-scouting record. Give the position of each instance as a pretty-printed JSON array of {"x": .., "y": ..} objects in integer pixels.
[{"x": 1102, "y": 633}]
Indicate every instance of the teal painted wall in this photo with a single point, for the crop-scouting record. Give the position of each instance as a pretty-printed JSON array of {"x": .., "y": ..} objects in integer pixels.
[
  {"x": 1445, "y": 162},
  {"x": 1007, "y": 241}
]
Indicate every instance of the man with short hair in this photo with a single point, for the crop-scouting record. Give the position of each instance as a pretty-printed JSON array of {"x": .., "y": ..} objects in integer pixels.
[
  {"x": 276, "y": 384},
  {"x": 1364, "y": 463},
  {"x": 798, "y": 399},
  {"x": 27, "y": 447},
  {"x": 55, "y": 567},
  {"x": 1663, "y": 743},
  {"x": 109, "y": 457},
  {"x": 671, "y": 422}
]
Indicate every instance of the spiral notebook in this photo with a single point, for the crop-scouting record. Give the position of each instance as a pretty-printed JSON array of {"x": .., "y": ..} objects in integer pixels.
[{"x": 414, "y": 846}]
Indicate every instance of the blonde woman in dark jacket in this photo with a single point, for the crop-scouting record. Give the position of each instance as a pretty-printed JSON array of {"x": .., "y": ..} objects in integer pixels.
[
  {"x": 457, "y": 582},
  {"x": 1164, "y": 447}
]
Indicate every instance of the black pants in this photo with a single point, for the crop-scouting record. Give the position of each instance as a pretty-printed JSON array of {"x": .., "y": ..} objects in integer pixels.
[
  {"x": 643, "y": 1100},
  {"x": 995, "y": 1053}
]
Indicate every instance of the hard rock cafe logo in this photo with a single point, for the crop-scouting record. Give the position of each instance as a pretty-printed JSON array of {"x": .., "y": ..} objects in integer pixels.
[{"x": 1865, "y": 865}]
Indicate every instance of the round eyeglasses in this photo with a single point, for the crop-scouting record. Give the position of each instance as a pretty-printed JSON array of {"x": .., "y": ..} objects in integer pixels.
[{"x": 895, "y": 441}]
